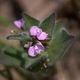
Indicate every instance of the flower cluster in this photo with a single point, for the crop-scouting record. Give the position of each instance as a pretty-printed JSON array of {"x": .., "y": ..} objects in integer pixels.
[{"x": 36, "y": 32}]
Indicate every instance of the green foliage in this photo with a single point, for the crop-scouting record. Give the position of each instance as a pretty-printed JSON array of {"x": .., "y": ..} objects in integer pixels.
[
  {"x": 11, "y": 56},
  {"x": 29, "y": 21},
  {"x": 48, "y": 24},
  {"x": 23, "y": 37},
  {"x": 60, "y": 40}
]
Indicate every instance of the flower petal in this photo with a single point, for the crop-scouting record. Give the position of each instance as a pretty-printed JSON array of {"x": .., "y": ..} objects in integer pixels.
[
  {"x": 23, "y": 22},
  {"x": 42, "y": 36},
  {"x": 37, "y": 50},
  {"x": 40, "y": 46},
  {"x": 19, "y": 23},
  {"x": 34, "y": 30},
  {"x": 31, "y": 51}
]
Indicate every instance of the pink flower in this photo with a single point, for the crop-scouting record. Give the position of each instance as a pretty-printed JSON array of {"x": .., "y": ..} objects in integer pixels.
[
  {"x": 42, "y": 36},
  {"x": 36, "y": 49},
  {"x": 35, "y": 31},
  {"x": 19, "y": 23}
]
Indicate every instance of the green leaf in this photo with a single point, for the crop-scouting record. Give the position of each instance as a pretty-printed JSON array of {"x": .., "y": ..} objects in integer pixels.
[
  {"x": 23, "y": 37},
  {"x": 16, "y": 57},
  {"x": 20, "y": 36},
  {"x": 35, "y": 64},
  {"x": 15, "y": 37},
  {"x": 29, "y": 21},
  {"x": 11, "y": 56},
  {"x": 48, "y": 24},
  {"x": 60, "y": 41}
]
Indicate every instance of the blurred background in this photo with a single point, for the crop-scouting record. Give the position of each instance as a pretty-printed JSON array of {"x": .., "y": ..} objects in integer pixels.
[{"x": 10, "y": 10}]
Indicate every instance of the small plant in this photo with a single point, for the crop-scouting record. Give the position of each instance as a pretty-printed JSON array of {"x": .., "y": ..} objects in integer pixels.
[{"x": 42, "y": 42}]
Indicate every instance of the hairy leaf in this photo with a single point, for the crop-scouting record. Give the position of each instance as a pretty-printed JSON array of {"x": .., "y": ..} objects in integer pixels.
[
  {"x": 29, "y": 21},
  {"x": 11, "y": 56},
  {"x": 15, "y": 37},
  {"x": 23, "y": 37},
  {"x": 60, "y": 41},
  {"x": 48, "y": 24},
  {"x": 34, "y": 64}
]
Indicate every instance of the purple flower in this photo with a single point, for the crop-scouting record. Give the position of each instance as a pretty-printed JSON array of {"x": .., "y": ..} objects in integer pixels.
[
  {"x": 35, "y": 31},
  {"x": 42, "y": 36},
  {"x": 36, "y": 49},
  {"x": 19, "y": 23}
]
